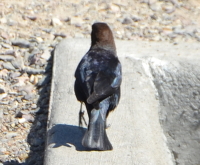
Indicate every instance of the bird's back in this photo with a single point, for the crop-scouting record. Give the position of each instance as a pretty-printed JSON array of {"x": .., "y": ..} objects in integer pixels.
[{"x": 102, "y": 63}]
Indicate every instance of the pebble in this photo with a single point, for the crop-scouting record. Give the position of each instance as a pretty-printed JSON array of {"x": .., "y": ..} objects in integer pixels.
[
  {"x": 21, "y": 81},
  {"x": 32, "y": 78},
  {"x": 7, "y": 46},
  {"x": 39, "y": 39},
  {"x": 4, "y": 35},
  {"x": 56, "y": 22},
  {"x": 3, "y": 95},
  {"x": 30, "y": 70},
  {"x": 29, "y": 96},
  {"x": 18, "y": 63},
  {"x": 9, "y": 52},
  {"x": 23, "y": 156},
  {"x": 10, "y": 135},
  {"x": 2, "y": 89},
  {"x": 32, "y": 18},
  {"x": 21, "y": 43},
  {"x": 11, "y": 22},
  {"x": 33, "y": 106},
  {"x": 136, "y": 18},
  {"x": 8, "y": 66},
  {"x": 46, "y": 54},
  {"x": 6, "y": 58},
  {"x": 14, "y": 75},
  {"x": 63, "y": 35},
  {"x": 127, "y": 20},
  {"x": 34, "y": 58},
  {"x": 155, "y": 7},
  {"x": 169, "y": 8}
]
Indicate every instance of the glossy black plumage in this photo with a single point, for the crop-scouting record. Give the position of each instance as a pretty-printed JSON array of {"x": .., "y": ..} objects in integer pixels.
[{"x": 97, "y": 84}]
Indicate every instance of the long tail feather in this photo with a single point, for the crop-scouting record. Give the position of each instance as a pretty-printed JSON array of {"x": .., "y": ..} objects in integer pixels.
[{"x": 96, "y": 137}]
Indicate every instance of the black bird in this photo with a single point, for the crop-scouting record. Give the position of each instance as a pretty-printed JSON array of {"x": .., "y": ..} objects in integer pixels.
[{"x": 98, "y": 79}]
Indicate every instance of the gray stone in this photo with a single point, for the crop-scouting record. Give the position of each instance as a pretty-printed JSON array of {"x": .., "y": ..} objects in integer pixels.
[
  {"x": 169, "y": 9},
  {"x": 30, "y": 70},
  {"x": 13, "y": 75},
  {"x": 11, "y": 22},
  {"x": 11, "y": 134},
  {"x": 18, "y": 63},
  {"x": 9, "y": 52},
  {"x": 56, "y": 22},
  {"x": 175, "y": 3},
  {"x": 3, "y": 102},
  {"x": 154, "y": 7},
  {"x": 29, "y": 96},
  {"x": 63, "y": 35},
  {"x": 179, "y": 31},
  {"x": 46, "y": 54},
  {"x": 34, "y": 106},
  {"x": 136, "y": 18},
  {"x": 7, "y": 46},
  {"x": 32, "y": 18},
  {"x": 33, "y": 59},
  {"x": 127, "y": 20},
  {"x": 2, "y": 89},
  {"x": 21, "y": 43},
  {"x": 8, "y": 65}
]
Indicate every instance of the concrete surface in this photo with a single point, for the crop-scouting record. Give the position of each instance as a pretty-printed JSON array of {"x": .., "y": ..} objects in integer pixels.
[
  {"x": 178, "y": 84},
  {"x": 157, "y": 120}
]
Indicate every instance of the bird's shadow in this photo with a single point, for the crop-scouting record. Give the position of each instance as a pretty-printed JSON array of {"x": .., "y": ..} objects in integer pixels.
[{"x": 66, "y": 135}]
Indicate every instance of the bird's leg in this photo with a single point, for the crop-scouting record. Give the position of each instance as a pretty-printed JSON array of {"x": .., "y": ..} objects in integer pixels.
[
  {"x": 81, "y": 116},
  {"x": 81, "y": 113}
]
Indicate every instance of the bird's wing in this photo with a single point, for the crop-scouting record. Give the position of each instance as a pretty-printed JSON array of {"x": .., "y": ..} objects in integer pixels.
[{"x": 105, "y": 84}]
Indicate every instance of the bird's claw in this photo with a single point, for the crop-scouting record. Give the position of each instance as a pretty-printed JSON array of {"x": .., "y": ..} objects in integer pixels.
[{"x": 81, "y": 117}]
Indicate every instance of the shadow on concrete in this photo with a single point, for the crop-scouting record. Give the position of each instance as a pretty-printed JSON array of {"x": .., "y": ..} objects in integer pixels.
[{"x": 66, "y": 135}]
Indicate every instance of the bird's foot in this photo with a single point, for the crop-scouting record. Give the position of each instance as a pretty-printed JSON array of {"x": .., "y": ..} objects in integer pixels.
[{"x": 82, "y": 118}]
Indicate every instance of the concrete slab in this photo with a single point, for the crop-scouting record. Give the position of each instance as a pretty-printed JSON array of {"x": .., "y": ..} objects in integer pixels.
[{"x": 135, "y": 133}]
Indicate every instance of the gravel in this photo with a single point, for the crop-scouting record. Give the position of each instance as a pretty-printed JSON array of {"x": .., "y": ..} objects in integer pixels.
[{"x": 29, "y": 32}]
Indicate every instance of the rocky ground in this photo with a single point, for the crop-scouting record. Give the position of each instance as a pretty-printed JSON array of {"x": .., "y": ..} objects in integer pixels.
[{"x": 30, "y": 30}]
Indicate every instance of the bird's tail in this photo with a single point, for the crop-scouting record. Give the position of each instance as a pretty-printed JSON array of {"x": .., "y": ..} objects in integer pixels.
[{"x": 96, "y": 137}]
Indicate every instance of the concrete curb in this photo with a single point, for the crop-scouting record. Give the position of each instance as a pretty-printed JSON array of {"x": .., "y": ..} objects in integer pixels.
[{"x": 136, "y": 133}]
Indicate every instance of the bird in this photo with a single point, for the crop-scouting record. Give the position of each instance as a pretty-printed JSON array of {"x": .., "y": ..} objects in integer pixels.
[{"x": 98, "y": 77}]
